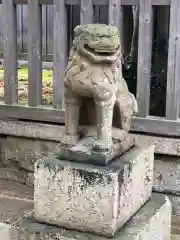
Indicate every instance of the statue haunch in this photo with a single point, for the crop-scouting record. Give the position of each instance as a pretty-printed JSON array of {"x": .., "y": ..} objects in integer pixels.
[{"x": 95, "y": 91}]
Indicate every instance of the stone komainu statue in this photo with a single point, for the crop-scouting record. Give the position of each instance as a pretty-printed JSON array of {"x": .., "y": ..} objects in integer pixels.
[{"x": 95, "y": 92}]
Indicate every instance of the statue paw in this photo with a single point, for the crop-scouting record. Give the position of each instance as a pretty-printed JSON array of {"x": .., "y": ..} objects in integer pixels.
[
  {"x": 102, "y": 146},
  {"x": 69, "y": 140}
]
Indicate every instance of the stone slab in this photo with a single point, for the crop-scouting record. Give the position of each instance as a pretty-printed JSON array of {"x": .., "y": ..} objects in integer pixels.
[
  {"x": 4, "y": 231},
  {"x": 83, "y": 151},
  {"x": 163, "y": 144},
  {"x": 99, "y": 199},
  {"x": 53, "y": 134},
  {"x": 151, "y": 222},
  {"x": 175, "y": 237},
  {"x": 175, "y": 201},
  {"x": 167, "y": 175}
]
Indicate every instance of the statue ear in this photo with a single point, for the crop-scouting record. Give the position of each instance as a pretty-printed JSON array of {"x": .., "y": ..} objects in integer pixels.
[{"x": 78, "y": 30}]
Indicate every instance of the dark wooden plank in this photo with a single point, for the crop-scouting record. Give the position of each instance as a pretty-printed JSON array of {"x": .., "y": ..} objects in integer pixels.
[
  {"x": 103, "y": 14},
  {"x": 144, "y": 57},
  {"x": 50, "y": 15},
  {"x": 60, "y": 51},
  {"x": 44, "y": 29},
  {"x": 173, "y": 73},
  {"x": 1, "y": 30},
  {"x": 124, "y": 2},
  {"x": 10, "y": 52},
  {"x": 24, "y": 56},
  {"x": 41, "y": 113},
  {"x": 25, "y": 28},
  {"x": 34, "y": 53},
  {"x": 76, "y": 16},
  {"x": 19, "y": 28},
  {"x": 49, "y": 30},
  {"x": 96, "y": 2},
  {"x": 96, "y": 14},
  {"x": 158, "y": 126},
  {"x": 86, "y": 11},
  {"x": 46, "y": 2}
]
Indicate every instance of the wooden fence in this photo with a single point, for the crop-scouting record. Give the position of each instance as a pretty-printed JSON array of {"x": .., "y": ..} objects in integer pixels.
[
  {"x": 169, "y": 125},
  {"x": 47, "y": 27}
]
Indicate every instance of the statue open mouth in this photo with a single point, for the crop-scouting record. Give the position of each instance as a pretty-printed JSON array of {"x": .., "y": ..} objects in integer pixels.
[
  {"x": 101, "y": 52},
  {"x": 99, "y": 55}
]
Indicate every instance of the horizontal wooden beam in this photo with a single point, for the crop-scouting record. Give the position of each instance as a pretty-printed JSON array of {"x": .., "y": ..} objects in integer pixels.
[
  {"x": 152, "y": 125},
  {"x": 124, "y": 2},
  {"x": 96, "y": 2},
  {"x": 158, "y": 126},
  {"x": 43, "y": 113}
]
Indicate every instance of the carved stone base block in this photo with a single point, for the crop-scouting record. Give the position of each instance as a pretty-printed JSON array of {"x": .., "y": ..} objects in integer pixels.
[
  {"x": 83, "y": 151},
  {"x": 97, "y": 199},
  {"x": 151, "y": 222}
]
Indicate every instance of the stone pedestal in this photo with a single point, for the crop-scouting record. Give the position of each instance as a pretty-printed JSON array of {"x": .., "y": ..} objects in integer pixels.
[
  {"x": 83, "y": 151},
  {"x": 5, "y": 231},
  {"x": 151, "y": 222},
  {"x": 89, "y": 198}
]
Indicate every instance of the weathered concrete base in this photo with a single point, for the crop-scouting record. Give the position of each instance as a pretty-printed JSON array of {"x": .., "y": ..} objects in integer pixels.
[
  {"x": 5, "y": 232},
  {"x": 152, "y": 222},
  {"x": 93, "y": 198}
]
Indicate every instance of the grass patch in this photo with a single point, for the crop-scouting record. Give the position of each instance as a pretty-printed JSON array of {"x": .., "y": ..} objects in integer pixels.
[{"x": 47, "y": 76}]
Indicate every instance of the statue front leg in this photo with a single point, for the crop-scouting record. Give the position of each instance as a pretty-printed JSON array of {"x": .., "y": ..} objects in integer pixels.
[
  {"x": 104, "y": 116},
  {"x": 72, "y": 106}
]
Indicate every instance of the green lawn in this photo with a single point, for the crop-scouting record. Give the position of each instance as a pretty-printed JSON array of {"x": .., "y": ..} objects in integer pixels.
[{"x": 23, "y": 85}]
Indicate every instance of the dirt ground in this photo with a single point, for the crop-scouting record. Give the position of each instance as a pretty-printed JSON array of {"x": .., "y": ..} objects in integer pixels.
[{"x": 16, "y": 200}]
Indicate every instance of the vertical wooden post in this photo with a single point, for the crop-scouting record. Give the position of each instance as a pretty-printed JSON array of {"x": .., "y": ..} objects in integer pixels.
[
  {"x": 116, "y": 17},
  {"x": 173, "y": 74},
  {"x": 19, "y": 28},
  {"x": 86, "y": 12},
  {"x": 44, "y": 29},
  {"x": 10, "y": 52},
  {"x": 34, "y": 53},
  {"x": 115, "y": 14},
  {"x": 144, "y": 57},
  {"x": 59, "y": 51}
]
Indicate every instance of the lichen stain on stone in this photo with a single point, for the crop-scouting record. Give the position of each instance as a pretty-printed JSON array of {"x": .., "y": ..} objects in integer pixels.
[
  {"x": 130, "y": 167},
  {"x": 52, "y": 168},
  {"x": 91, "y": 179},
  {"x": 160, "y": 177}
]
